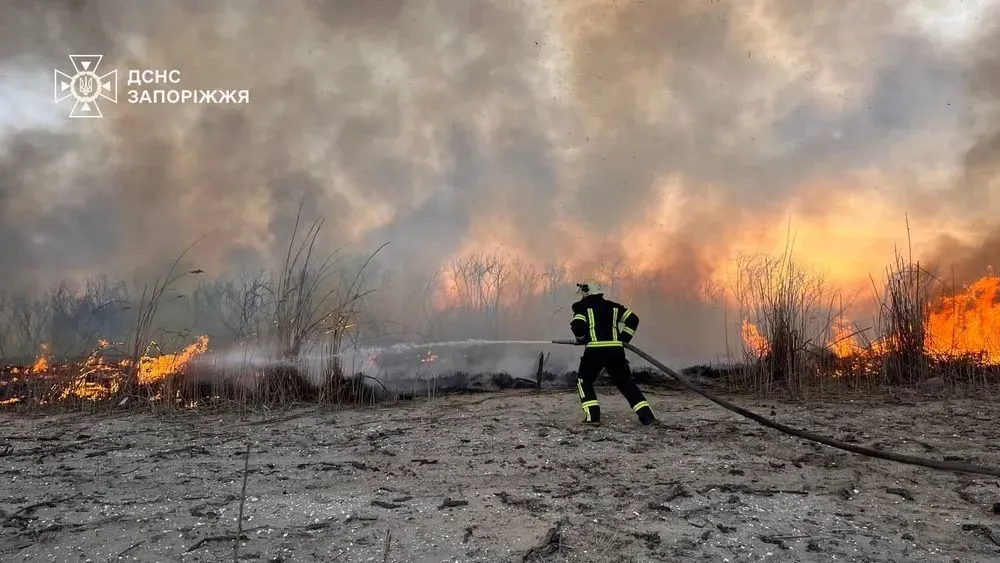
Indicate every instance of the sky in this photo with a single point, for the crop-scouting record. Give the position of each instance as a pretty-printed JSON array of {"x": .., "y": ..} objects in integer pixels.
[{"x": 671, "y": 136}]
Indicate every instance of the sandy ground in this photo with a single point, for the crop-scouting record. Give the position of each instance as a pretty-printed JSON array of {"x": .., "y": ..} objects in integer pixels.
[{"x": 501, "y": 477}]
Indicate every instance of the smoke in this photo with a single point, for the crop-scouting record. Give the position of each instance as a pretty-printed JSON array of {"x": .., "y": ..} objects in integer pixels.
[
  {"x": 978, "y": 187},
  {"x": 667, "y": 134}
]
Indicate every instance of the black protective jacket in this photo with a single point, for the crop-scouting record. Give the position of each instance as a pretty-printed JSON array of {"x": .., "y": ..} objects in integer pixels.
[{"x": 596, "y": 319}]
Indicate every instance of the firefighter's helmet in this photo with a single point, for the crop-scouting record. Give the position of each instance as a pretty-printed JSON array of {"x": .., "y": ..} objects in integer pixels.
[{"x": 590, "y": 287}]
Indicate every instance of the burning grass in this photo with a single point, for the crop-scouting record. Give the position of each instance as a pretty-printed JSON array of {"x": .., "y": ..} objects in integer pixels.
[
  {"x": 924, "y": 334},
  {"x": 100, "y": 377},
  {"x": 180, "y": 381},
  {"x": 308, "y": 300},
  {"x": 797, "y": 334},
  {"x": 168, "y": 380}
]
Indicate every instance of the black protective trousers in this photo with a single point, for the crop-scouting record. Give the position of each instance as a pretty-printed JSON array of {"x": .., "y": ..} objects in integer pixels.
[{"x": 614, "y": 361}]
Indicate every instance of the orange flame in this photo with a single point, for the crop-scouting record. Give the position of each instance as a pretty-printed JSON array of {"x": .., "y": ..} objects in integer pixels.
[
  {"x": 41, "y": 364},
  {"x": 98, "y": 380},
  {"x": 152, "y": 370},
  {"x": 754, "y": 340},
  {"x": 968, "y": 322},
  {"x": 97, "y": 377},
  {"x": 843, "y": 342}
]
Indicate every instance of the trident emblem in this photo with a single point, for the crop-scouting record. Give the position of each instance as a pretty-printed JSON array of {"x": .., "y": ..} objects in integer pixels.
[{"x": 86, "y": 86}]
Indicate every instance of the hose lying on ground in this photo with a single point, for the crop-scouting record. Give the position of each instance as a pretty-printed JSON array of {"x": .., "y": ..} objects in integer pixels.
[{"x": 806, "y": 435}]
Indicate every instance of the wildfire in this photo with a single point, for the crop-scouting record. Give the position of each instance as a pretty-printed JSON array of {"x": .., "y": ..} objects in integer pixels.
[
  {"x": 967, "y": 323},
  {"x": 42, "y": 363},
  {"x": 754, "y": 340},
  {"x": 153, "y": 370},
  {"x": 964, "y": 324},
  {"x": 429, "y": 357},
  {"x": 843, "y": 343},
  {"x": 95, "y": 378}
]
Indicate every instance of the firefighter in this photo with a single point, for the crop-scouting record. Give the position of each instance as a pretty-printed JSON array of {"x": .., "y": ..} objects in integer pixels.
[{"x": 595, "y": 325}]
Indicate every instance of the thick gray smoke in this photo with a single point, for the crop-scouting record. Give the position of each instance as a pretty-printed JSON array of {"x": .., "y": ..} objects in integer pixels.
[
  {"x": 554, "y": 128},
  {"x": 978, "y": 191}
]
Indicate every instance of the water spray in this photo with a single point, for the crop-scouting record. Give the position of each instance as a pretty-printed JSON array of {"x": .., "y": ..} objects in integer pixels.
[
  {"x": 804, "y": 434},
  {"x": 408, "y": 346}
]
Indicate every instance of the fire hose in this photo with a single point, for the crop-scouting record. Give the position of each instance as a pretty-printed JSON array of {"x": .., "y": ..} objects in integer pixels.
[{"x": 957, "y": 467}]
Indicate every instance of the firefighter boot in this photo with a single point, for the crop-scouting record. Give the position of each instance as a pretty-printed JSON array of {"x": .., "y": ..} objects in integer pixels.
[
  {"x": 644, "y": 413},
  {"x": 593, "y": 417}
]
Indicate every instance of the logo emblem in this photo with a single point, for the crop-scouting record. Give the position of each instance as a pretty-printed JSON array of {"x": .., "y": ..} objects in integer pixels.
[{"x": 86, "y": 86}]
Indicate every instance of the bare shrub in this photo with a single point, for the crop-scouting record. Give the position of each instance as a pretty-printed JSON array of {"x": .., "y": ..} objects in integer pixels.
[
  {"x": 905, "y": 351},
  {"x": 243, "y": 303},
  {"x": 900, "y": 324},
  {"x": 434, "y": 317},
  {"x": 791, "y": 309},
  {"x": 307, "y": 299},
  {"x": 82, "y": 315},
  {"x": 479, "y": 282},
  {"x": 29, "y": 322},
  {"x": 614, "y": 271}
]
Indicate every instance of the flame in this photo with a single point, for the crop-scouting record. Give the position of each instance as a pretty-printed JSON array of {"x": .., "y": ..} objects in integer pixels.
[
  {"x": 968, "y": 322},
  {"x": 153, "y": 370},
  {"x": 429, "y": 357},
  {"x": 41, "y": 364},
  {"x": 95, "y": 378},
  {"x": 964, "y": 324},
  {"x": 755, "y": 342},
  {"x": 843, "y": 342}
]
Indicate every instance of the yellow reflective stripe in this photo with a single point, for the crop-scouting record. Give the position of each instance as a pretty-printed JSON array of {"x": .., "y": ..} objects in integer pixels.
[
  {"x": 628, "y": 313},
  {"x": 593, "y": 325},
  {"x": 639, "y": 405},
  {"x": 586, "y": 408},
  {"x": 594, "y": 342},
  {"x": 614, "y": 324},
  {"x": 579, "y": 317},
  {"x": 579, "y": 387},
  {"x": 605, "y": 344},
  {"x": 628, "y": 330}
]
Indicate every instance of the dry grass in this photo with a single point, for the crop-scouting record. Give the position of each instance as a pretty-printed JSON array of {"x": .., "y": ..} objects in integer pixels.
[
  {"x": 795, "y": 316},
  {"x": 902, "y": 324},
  {"x": 793, "y": 311}
]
